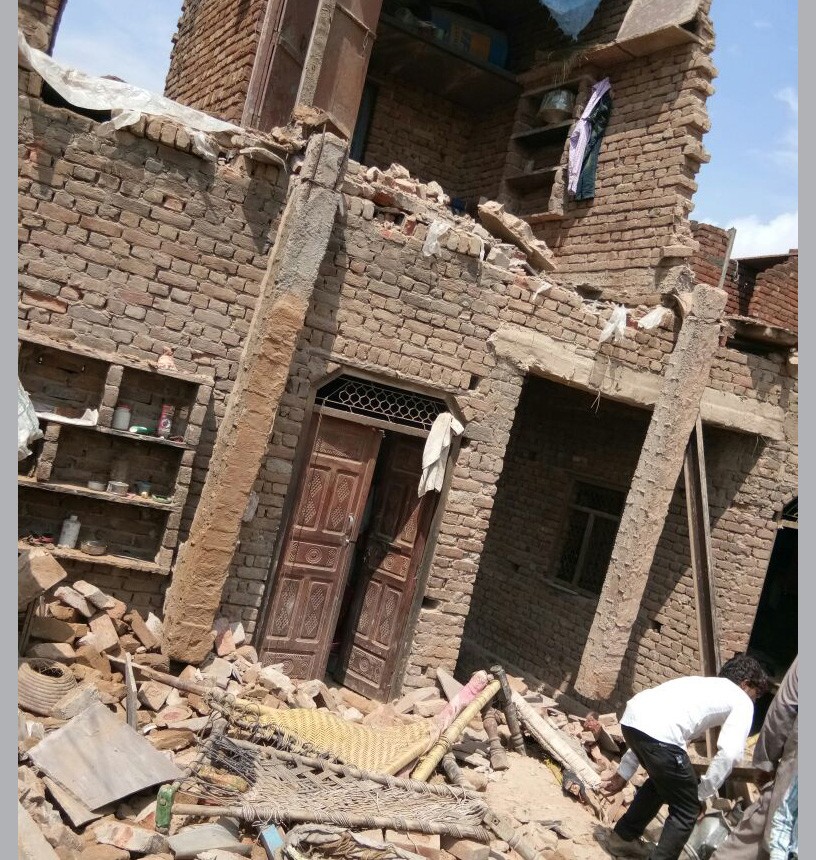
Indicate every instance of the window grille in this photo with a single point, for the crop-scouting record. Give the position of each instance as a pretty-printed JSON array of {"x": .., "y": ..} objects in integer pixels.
[
  {"x": 375, "y": 400},
  {"x": 592, "y": 525},
  {"x": 790, "y": 515}
]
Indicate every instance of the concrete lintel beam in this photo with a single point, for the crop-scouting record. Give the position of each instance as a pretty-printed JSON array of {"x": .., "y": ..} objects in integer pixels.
[{"x": 534, "y": 352}]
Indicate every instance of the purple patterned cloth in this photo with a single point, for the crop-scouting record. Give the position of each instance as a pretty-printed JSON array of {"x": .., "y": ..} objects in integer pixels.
[{"x": 580, "y": 134}]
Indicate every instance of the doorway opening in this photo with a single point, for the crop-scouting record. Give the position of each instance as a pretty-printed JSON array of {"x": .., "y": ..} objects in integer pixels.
[
  {"x": 347, "y": 578},
  {"x": 774, "y": 637}
]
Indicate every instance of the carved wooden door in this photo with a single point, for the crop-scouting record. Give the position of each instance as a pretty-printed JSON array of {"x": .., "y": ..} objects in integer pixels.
[
  {"x": 382, "y": 601},
  {"x": 318, "y": 546}
]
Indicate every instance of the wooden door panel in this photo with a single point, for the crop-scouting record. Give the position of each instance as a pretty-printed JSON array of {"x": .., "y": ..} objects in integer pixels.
[
  {"x": 400, "y": 523},
  {"x": 314, "y": 560},
  {"x": 279, "y": 61}
]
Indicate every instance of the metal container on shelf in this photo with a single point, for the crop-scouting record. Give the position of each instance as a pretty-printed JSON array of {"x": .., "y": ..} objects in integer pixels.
[
  {"x": 70, "y": 532},
  {"x": 556, "y": 106}
]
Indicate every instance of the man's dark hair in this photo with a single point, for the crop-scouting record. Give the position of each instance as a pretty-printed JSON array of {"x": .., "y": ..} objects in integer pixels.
[{"x": 742, "y": 668}]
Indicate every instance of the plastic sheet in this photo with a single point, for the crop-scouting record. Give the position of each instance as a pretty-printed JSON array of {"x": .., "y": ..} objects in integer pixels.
[
  {"x": 615, "y": 329},
  {"x": 435, "y": 233},
  {"x": 654, "y": 318},
  {"x": 126, "y": 101},
  {"x": 571, "y": 15},
  {"x": 28, "y": 427}
]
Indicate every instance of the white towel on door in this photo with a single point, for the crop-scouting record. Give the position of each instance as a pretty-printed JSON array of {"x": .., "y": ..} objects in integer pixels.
[{"x": 435, "y": 454}]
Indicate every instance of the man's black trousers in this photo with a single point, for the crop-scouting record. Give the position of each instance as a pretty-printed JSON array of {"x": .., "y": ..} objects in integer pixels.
[{"x": 671, "y": 780}]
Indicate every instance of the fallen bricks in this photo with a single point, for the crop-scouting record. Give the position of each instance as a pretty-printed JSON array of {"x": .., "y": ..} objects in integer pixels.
[{"x": 167, "y": 712}]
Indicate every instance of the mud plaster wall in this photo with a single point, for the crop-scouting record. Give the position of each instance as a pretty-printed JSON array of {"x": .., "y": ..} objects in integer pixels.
[
  {"x": 520, "y": 615},
  {"x": 212, "y": 55},
  {"x": 134, "y": 244}
]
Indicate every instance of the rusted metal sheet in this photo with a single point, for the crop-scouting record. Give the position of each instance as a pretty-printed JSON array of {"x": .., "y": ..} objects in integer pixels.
[
  {"x": 335, "y": 84},
  {"x": 279, "y": 61}
]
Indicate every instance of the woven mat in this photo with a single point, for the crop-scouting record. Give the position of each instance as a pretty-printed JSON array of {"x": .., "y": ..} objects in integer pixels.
[{"x": 320, "y": 733}]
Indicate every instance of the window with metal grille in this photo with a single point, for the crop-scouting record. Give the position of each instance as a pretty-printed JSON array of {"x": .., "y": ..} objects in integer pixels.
[
  {"x": 375, "y": 400},
  {"x": 592, "y": 526}
]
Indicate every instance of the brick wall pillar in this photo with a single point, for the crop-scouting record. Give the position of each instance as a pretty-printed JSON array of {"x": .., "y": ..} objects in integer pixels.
[
  {"x": 647, "y": 503},
  {"x": 203, "y": 561}
]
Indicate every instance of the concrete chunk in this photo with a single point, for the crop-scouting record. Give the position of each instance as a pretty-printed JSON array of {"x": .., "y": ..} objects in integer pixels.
[
  {"x": 104, "y": 633},
  {"x": 51, "y": 629},
  {"x": 61, "y": 652},
  {"x": 75, "y": 701},
  {"x": 94, "y": 595},
  {"x": 137, "y": 840},
  {"x": 190, "y": 841},
  {"x": 143, "y": 632},
  {"x": 153, "y": 695},
  {"x": 75, "y": 600}
]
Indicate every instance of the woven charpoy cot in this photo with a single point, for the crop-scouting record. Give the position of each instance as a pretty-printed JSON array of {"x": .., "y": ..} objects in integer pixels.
[
  {"x": 262, "y": 784},
  {"x": 320, "y": 733}
]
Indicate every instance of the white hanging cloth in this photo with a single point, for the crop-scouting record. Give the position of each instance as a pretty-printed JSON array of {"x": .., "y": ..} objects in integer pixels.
[{"x": 435, "y": 454}]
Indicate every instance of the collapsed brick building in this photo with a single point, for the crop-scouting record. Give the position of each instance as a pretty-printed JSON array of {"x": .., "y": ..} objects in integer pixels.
[{"x": 317, "y": 335}]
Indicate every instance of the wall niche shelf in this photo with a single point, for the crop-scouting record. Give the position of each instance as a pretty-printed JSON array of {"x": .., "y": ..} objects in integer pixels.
[{"x": 66, "y": 382}]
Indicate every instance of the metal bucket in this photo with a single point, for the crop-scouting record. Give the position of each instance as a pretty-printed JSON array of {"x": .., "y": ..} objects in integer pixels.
[{"x": 708, "y": 834}]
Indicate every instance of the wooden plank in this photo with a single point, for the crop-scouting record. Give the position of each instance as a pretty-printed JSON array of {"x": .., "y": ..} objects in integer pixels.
[
  {"x": 76, "y": 490},
  {"x": 121, "y": 562},
  {"x": 101, "y": 758},
  {"x": 37, "y": 572}
]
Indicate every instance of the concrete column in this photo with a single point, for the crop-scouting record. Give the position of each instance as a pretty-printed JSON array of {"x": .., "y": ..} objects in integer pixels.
[
  {"x": 204, "y": 560},
  {"x": 647, "y": 503}
]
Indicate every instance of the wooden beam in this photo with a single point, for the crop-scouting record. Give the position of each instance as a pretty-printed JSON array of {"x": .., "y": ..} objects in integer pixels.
[{"x": 694, "y": 476}]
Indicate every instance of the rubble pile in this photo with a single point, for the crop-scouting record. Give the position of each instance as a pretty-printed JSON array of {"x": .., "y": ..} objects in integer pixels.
[{"x": 78, "y": 679}]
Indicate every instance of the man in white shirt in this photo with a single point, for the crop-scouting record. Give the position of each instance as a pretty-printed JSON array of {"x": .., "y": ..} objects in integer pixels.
[{"x": 657, "y": 725}]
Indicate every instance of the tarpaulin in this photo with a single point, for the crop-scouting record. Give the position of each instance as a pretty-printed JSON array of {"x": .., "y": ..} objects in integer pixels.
[
  {"x": 571, "y": 15},
  {"x": 126, "y": 102}
]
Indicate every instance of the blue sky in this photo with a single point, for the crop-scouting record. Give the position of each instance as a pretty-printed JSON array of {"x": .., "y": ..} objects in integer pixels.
[{"x": 750, "y": 183}]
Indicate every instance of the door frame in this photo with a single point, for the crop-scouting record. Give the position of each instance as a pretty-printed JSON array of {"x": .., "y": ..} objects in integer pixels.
[{"x": 300, "y": 463}]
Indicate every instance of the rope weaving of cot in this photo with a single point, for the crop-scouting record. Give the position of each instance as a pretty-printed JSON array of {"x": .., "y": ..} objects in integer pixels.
[
  {"x": 327, "y": 842},
  {"x": 262, "y": 784},
  {"x": 323, "y": 734}
]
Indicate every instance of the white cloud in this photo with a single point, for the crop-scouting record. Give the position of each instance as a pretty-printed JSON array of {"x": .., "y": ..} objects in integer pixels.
[
  {"x": 763, "y": 25},
  {"x": 790, "y": 97},
  {"x": 757, "y": 238}
]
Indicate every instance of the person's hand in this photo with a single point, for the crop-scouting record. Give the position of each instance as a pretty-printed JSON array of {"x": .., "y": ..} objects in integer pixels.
[
  {"x": 705, "y": 806},
  {"x": 613, "y": 785}
]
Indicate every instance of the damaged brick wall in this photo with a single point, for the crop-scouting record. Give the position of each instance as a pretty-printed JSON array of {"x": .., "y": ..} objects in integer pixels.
[
  {"x": 438, "y": 141},
  {"x": 39, "y": 21},
  {"x": 213, "y": 53},
  {"x": 636, "y": 227},
  {"x": 749, "y": 480},
  {"x": 765, "y": 289},
  {"x": 134, "y": 244},
  {"x": 519, "y": 609}
]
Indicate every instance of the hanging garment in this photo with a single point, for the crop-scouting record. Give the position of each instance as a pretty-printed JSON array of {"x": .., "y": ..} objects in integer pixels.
[
  {"x": 579, "y": 137},
  {"x": 598, "y": 121},
  {"x": 435, "y": 453},
  {"x": 571, "y": 15}
]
